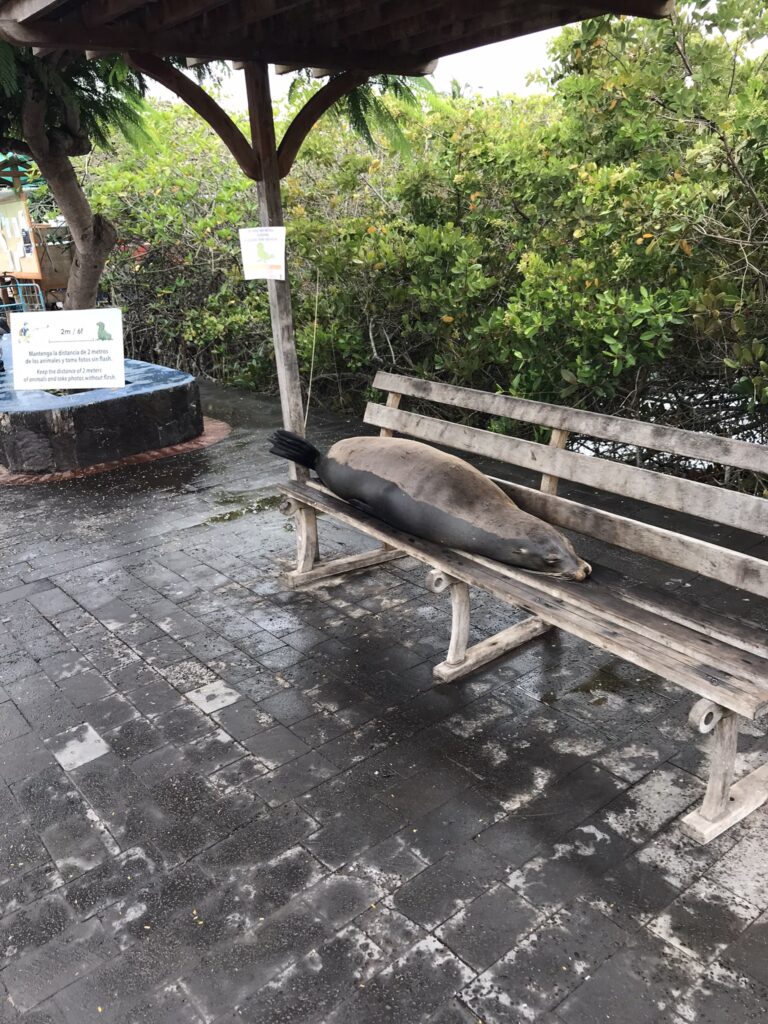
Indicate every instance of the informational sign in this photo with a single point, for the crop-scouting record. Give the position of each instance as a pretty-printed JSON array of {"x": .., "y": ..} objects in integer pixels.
[
  {"x": 18, "y": 253},
  {"x": 263, "y": 253},
  {"x": 73, "y": 350}
]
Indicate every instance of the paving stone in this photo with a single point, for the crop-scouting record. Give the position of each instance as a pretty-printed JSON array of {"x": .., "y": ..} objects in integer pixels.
[
  {"x": 260, "y": 840},
  {"x": 77, "y": 746},
  {"x": 389, "y": 864},
  {"x": 723, "y": 996},
  {"x": 33, "y": 926},
  {"x": 213, "y": 696},
  {"x": 12, "y": 722},
  {"x": 276, "y": 746},
  {"x": 183, "y": 724},
  {"x": 61, "y": 667},
  {"x": 155, "y": 698},
  {"x": 422, "y": 792},
  {"x": 445, "y": 887},
  {"x": 212, "y": 751},
  {"x": 445, "y": 828},
  {"x": 294, "y": 779},
  {"x": 229, "y": 974},
  {"x": 544, "y": 967},
  {"x": 288, "y": 707},
  {"x": 111, "y": 881},
  {"x": 410, "y": 989},
  {"x": 743, "y": 869},
  {"x": 342, "y": 896},
  {"x": 574, "y": 865},
  {"x": 42, "y": 972},
  {"x": 85, "y": 687},
  {"x": 747, "y": 955},
  {"x": 233, "y": 777},
  {"x": 109, "y": 713},
  {"x": 393, "y": 932},
  {"x": 488, "y": 927},
  {"x": 161, "y": 653},
  {"x": 243, "y": 719},
  {"x": 306, "y": 991},
  {"x": 704, "y": 920},
  {"x": 643, "y": 809},
  {"x": 22, "y": 757},
  {"x": 640, "y": 983},
  {"x": 77, "y": 844},
  {"x": 134, "y": 738}
]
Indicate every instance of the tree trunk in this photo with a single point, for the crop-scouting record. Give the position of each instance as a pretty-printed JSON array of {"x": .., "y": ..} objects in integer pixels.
[{"x": 93, "y": 235}]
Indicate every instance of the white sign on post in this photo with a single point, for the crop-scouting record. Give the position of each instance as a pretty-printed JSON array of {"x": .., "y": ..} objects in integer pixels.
[
  {"x": 71, "y": 350},
  {"x": 263, "y": 253}
]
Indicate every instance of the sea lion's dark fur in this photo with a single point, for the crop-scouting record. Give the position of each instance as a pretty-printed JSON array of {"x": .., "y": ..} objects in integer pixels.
[{"x": 426, "y": 492}]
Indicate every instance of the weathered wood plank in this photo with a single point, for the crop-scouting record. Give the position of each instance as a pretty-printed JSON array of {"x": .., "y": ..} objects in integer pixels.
[
  {"x": 612, "y": 607},
  {"x": 740, "y": 633},
  {"x": 573, "y": 615},
  {"x": 393, "y": 402},
  {"x": 740, "y": 510},
  {"x": 488, "y": 650},
  {"x": 559, "y": 439},
  {"x": 708, "y": 447},
  {"x": 341, "y": 566},
  {"x": 746, "y": 796},
  {"x": 718, "y": 563}
]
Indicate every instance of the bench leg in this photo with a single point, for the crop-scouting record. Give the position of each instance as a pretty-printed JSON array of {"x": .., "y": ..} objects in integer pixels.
[
  {"x": 309, "y": 568},
  {"x": 463, "y": 660},
  {"x": 724, "y": 804}
]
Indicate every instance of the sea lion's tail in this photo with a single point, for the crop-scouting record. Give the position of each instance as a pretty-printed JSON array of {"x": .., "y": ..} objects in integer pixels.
[{"x": 294, "y": 448}]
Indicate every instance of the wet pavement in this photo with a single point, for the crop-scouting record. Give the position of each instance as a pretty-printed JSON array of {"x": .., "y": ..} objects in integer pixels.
[{"x": 222, "y": 801}]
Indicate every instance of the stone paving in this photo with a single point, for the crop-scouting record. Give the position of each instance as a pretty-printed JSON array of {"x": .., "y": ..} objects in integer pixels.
[{"x": 224, "y": 802}]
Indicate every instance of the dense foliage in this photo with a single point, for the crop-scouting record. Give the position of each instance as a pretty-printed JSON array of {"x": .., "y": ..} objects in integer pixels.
[{"x": 603, "y": 245}]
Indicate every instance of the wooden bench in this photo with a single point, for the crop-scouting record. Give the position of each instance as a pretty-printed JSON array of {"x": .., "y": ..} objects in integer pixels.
[{"x": 718, "y": 657}]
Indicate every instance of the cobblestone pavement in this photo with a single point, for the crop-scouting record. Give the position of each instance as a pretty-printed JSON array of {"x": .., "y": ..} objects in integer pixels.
[{"x": 222, "y": 801}]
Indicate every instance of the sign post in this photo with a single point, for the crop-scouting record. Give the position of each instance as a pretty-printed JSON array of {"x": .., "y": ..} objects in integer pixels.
[{"x": 68, "y": 350}]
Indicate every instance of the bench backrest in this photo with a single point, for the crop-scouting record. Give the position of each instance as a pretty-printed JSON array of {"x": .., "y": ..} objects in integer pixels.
[{"x": 707, "y": 501}]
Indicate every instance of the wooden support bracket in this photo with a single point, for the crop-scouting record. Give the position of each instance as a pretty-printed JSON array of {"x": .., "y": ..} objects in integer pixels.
[
  {"x": 724, "y": 804},
  {"x": 309, "y": 569},
  {"x": 462, "y": 660}
]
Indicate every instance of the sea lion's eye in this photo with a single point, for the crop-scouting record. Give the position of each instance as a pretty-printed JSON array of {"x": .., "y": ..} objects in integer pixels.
[{"x": 552, "y": 559}]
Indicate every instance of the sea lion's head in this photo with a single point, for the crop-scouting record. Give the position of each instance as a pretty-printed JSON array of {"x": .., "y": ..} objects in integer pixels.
[{"x": 545, "y": 550}]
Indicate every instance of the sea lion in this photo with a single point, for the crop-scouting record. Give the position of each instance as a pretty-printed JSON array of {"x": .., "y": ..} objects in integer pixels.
[{"x": 426, "y": 492}]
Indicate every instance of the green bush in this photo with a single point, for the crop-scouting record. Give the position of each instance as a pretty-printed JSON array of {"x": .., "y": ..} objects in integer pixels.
[{"x": 599, "y": 245}]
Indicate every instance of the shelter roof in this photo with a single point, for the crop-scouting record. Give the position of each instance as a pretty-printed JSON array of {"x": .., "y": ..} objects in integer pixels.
[{"x": 398, "y": 36}]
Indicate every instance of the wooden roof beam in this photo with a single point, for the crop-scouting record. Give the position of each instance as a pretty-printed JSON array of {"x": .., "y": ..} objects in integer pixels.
[
  {"x": 28, "y": 10},
  {"x": 123, "y": 38},
  {"x": 102, "y": 12},
  {"x": 198, "y": 99},
  {"x": 173, "y": 13}
]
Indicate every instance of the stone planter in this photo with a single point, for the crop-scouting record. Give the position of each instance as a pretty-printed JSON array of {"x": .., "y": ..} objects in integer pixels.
[{"x": 42, "y": 432}]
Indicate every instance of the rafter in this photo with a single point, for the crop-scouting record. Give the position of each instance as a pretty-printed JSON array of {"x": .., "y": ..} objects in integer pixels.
[
  {"x": 28, "y": 10},
  {"x": 119, "y": 38},
  {"x": 203, "y": 104}
]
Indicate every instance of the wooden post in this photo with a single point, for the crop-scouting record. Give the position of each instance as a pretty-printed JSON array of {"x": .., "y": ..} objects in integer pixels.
[
  {"x": 559, "y": 439},
  {"x": 281, "y": 310}
]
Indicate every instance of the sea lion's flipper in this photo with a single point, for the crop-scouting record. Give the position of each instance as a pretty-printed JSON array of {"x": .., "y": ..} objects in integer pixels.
[{"x": 294, "y": 448}]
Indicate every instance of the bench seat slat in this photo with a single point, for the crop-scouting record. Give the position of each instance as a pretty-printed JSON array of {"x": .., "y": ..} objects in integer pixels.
[
  {"x": 692, "y": 444},
  {"x": 741, "y": 633},
  {"x": 568, "y": 607},
  {"x": 731, "y": 567},
  {"x": 742, "y": 511},
  {"x": 604, "y": 599}
]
